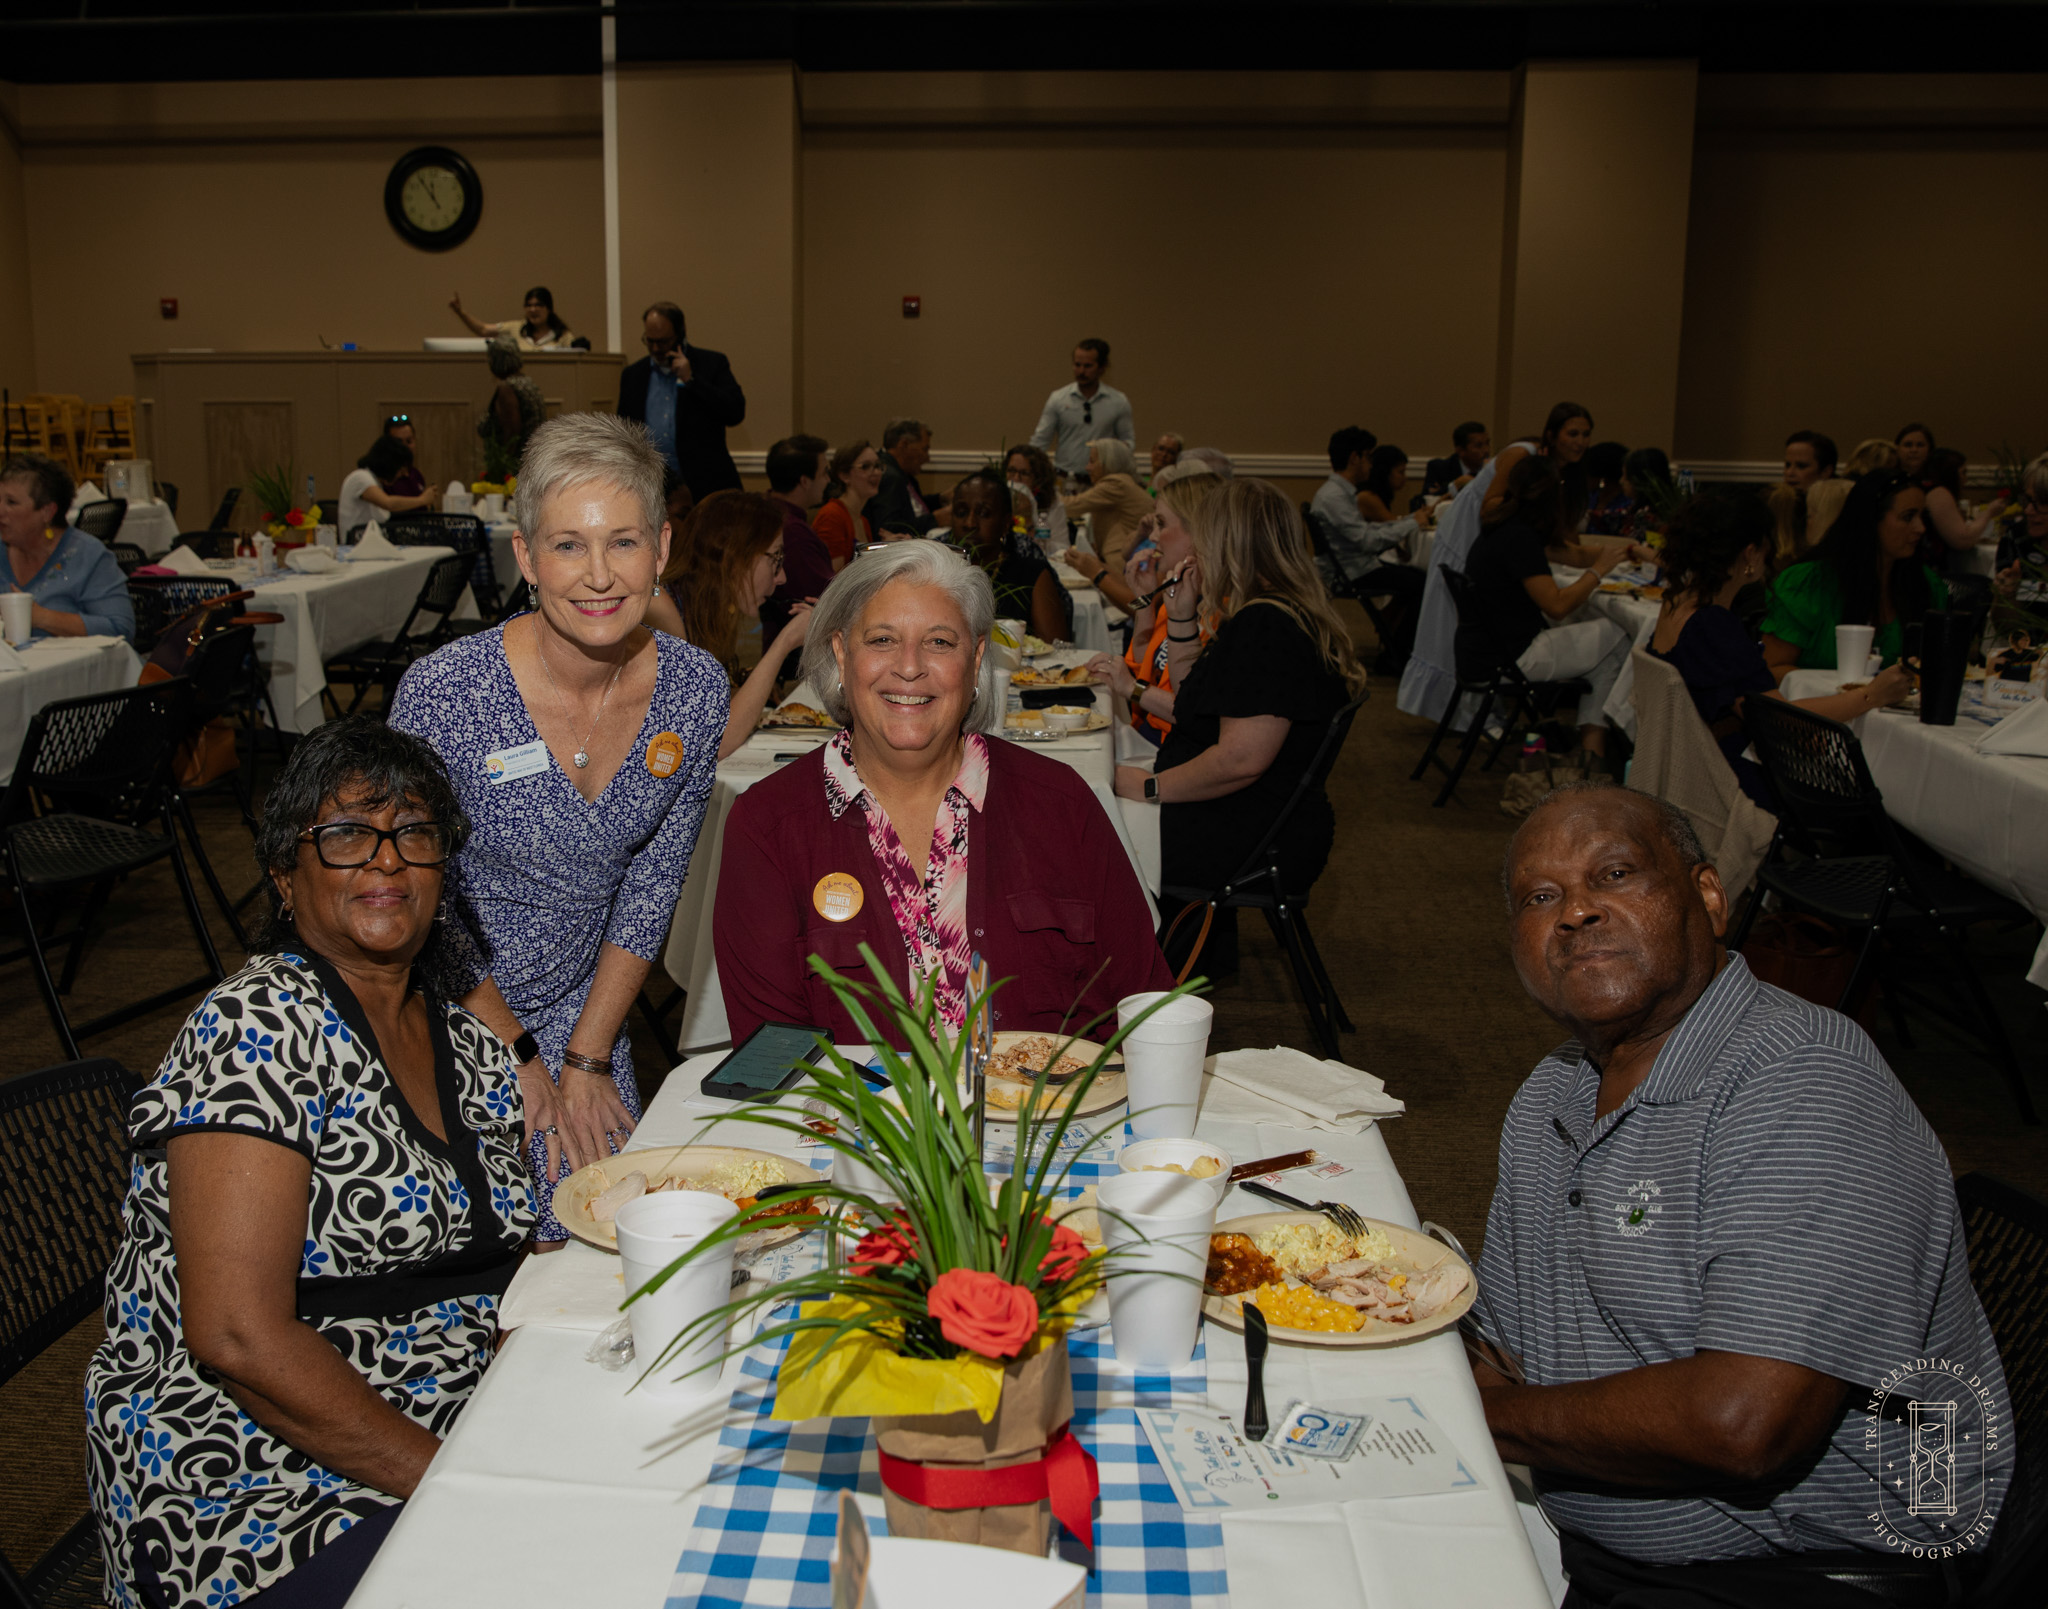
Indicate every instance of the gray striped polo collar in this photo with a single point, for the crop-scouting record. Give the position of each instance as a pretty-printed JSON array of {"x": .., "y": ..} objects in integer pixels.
[{"x": 1688, "y": 1060}]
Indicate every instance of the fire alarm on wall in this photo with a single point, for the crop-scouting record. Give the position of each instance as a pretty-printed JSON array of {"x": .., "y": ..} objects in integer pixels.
[
  {"x": 168, "y": 306},
  {"x": 912, "y": 306}
]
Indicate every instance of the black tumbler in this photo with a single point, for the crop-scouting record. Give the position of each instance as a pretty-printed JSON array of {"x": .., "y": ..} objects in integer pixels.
[{"x": 1945, "y": 638}]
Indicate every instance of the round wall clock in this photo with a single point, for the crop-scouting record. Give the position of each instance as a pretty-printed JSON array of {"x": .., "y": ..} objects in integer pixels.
[{"x": 433, "y": 198}]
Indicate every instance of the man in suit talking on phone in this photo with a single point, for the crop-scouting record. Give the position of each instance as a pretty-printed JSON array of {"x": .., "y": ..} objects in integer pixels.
[{"x": 687, "y": 397}]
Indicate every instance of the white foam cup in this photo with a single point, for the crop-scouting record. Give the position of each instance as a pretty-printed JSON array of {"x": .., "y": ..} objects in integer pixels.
[
  {"x": 1163, "y": 1063},
  {"x": 1852, "y": 648},
  {"x": 16, "y": 616},
  {"x": 653, "y": 1231},
  {"x": 1157, "y": 1227}
]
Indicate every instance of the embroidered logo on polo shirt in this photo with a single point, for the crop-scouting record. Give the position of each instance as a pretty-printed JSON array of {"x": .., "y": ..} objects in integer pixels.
[{"x": 1637, "y": 1211}]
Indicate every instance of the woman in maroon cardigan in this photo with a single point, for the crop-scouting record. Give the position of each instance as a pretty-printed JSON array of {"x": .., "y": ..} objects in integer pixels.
[{"x": 1015, "y": 857}]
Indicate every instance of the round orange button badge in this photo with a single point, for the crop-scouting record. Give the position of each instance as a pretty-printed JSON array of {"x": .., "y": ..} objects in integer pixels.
[
  {"x": 837, "y": 896},
  {"x": 664, "y": 754}
]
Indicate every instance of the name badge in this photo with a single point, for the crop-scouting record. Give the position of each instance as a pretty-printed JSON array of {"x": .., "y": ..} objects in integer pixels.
[
  {"x": 837, "y": 896},
  {"x": 509, "y": 765},
  {"x": 664, "y": 754}
]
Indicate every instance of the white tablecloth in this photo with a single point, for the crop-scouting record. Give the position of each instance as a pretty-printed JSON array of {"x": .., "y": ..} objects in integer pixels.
[
  {"x": 689, "y": 958},
  {"x": 58, "y": 667},
  {"x": 556, "y": 1487},
  {"x": 1637, "y": 617},
  {"x": 1093, "y": 616},
  {"x": 1985, "y": 812},
  {"x": 327, "y": 614},
  {"x": 150, "y": 526}
]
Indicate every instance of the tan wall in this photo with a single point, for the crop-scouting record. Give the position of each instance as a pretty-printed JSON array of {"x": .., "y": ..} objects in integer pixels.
[
  {"x": 1252, "y": 285},
  {"x": 708, "y": 175},
  {"x": 17, "y": 323},
  {"x": 1591, "y": 298},
  {"x": 261, "y": 208},
  {"x": 1848, "y": 276}
]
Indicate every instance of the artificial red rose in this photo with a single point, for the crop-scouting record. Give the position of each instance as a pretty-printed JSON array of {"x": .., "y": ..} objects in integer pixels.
[
  {"x": 891, "y": 1246},
  {"x": 983, "y": 1313},
  {"x": 1065, "y": 1256},
  {"x": 295, "y": 517}
]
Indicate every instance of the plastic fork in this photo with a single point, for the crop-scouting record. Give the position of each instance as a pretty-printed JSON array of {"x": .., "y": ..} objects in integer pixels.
[{"x": 1344, "y": 1217}]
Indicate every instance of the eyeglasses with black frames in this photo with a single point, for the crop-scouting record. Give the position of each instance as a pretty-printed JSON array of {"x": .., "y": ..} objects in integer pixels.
[{"x": 345, "y": 845}]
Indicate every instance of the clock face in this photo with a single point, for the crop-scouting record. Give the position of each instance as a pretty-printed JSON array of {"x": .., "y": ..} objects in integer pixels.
[{"x": 432, "y": 199}]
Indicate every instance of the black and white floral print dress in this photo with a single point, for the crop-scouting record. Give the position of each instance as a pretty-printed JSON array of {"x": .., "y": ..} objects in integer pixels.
[{"x": 409, "y": 1241}]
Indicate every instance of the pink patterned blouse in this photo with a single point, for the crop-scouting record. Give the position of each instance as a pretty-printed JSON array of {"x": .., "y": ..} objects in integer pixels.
[{"x": 932, "y": 914}]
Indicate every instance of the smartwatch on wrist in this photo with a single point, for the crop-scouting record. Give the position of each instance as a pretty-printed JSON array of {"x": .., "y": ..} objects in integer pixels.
[
  {"x": 1152, "y": 790},
  {"x": 525, "y": 1048}
]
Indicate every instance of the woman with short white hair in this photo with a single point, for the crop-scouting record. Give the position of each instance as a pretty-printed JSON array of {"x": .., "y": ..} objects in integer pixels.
[
  {"x": 1118, "y": 503},
  {"x": 916, "y": 834},
  {"x": 582, "y": 746}
]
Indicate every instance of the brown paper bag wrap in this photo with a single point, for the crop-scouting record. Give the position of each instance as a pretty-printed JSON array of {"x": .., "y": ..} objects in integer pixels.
[{"x": 1038, "y": 1397}]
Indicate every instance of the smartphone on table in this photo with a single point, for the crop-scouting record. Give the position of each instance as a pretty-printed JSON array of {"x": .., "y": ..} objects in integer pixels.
[{"x": 767, "y": 1061}]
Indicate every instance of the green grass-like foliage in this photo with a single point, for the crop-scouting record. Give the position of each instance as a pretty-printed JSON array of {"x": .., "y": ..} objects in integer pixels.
[
  {"x": 277, "y": 490},
  {"x": 923, "y": 1145}
]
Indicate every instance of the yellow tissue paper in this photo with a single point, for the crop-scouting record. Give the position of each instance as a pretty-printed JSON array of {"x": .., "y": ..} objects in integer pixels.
[{"x": 859, "y": 1374}]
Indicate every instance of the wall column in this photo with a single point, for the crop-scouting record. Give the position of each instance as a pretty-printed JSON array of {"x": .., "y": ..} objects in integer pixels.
[
  {"x": 709, "y": 175},
  {"x": 1593, "y": 254},
  {"x": 17, "y": 322}
]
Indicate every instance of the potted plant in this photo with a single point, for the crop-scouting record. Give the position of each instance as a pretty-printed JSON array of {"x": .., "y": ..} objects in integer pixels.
[
  {"x": 943, "y": 1312},
  {"x": 287, "y": 522}
]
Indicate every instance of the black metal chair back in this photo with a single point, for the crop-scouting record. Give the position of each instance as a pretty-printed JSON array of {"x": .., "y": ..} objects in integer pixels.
[
  {"x": 2006, "y": 1230},
  {"x": 168, "y": 491},
  {"x": 66, "y": 1130},
  {"x": 438, "y": 598},
  {"x": 152, "y": 614},
  {"x": 106, "y": 755},
  {"x": 208, "y": 544},
  {"x": 424, "y": 528},
  {"x": 1829, "y": 801},
  {"x": 181, "y": 592},
  {"x": 218, "y": 669},
  {"x": 102, "y": 519},
  {"x": 226, "y": 511},
  {"x": 128, "y": 556},
  {"x": 1476, "y": 659},
  {"x": 1263, "y": 862}
]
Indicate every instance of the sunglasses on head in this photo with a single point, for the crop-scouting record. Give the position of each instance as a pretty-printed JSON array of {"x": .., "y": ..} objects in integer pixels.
[{"x": 398, "y": 419}]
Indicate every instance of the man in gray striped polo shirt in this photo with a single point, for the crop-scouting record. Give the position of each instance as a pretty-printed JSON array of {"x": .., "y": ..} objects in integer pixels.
[{"x": 1725, "y": 1253}]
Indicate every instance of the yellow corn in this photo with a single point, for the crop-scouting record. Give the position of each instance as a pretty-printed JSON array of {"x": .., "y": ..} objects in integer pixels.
[{"x": 1297, "y": 1307}]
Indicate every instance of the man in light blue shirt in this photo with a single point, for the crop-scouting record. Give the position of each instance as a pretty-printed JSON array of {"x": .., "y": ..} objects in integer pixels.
[
  {"x": 1356, "y": 545},
  {"x": 1083, "y": 412}
]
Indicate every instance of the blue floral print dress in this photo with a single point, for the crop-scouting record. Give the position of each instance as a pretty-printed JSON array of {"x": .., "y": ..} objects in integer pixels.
[
  {"x": 552, "y": 876},
  {"x": 409, "y": 1241}
]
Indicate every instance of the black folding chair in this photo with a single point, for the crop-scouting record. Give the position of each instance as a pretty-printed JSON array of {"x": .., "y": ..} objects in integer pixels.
[
  {"x": 1482, "y": 673},
  {"x": 466, "y": 534},
  {"x": 66, "y": 1128},
  {"x": 2006, "y": 1230},
  {"x": 1364, "y": 589},
  {"x": 102, "y": 519},
  {"x": 1859, "y": 872},
  {"x": 128, "y": 556},
  {"x": 208, "y": 544},
  {"x": 1258, "y": 885},
  {"x": 226, "y": 511},
  {"x": 169, "y": 493},
  {"x": 381, "y": 664},
  {"x": 91, "y": 771},
  {"x": 160, "y": 599},
  {"x": 228, "y": 685}
]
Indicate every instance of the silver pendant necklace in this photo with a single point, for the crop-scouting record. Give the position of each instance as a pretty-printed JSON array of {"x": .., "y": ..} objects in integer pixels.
[{"x": 582, "y": 754}]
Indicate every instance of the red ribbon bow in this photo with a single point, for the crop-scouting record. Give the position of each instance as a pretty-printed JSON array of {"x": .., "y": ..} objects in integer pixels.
[{"x": 1064, "y": 1472}]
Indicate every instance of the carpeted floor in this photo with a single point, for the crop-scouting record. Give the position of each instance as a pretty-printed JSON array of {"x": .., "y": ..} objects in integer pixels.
[{"x": 1410, "y": 923}]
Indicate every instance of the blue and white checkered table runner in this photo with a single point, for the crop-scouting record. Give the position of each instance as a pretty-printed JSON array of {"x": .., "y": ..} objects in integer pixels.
[{"x": 764, "y": 1535}]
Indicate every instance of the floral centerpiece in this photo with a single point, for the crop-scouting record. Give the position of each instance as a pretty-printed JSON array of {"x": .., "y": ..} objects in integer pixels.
[
  {"x": 942, "y": 1305},
  {"x": 497, "y": 488},
  {"x": 284, "y": 520}
]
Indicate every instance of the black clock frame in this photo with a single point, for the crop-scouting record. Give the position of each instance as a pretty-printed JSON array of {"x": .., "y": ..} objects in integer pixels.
[{"x": 434, "y": 156}]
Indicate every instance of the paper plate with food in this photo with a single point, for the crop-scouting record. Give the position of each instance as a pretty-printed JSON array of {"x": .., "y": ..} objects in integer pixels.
[
  {"x": 1318, "y": 1286},
  {"x": 1054, "y": 676},
  {"x": 1019, "y": 1056},
  {"x": 588, "y": 1200},
  {"x": 796, "y": 713},
  {"x": 1050, "y": 725}
]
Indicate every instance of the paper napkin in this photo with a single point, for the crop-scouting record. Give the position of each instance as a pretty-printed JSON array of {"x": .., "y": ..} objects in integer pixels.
[{"x": 1288, "y": 1087}]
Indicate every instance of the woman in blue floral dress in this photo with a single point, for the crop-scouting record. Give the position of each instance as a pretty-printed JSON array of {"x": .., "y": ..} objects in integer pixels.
[
  {"x": 328, "y": 1197},
  {"x": 583, "y": 746}
]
